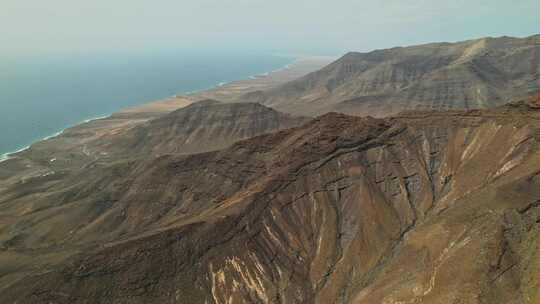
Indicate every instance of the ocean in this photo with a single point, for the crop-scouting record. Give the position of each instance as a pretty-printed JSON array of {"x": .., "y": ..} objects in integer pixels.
[{"x": 42, "y": 95}]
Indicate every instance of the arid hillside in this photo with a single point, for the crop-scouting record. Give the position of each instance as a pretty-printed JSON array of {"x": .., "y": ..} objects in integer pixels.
[
  {"x": 203, "y": 126},
  {"x": 471, "y": 74},
  {"x": 422, "y": 207}
]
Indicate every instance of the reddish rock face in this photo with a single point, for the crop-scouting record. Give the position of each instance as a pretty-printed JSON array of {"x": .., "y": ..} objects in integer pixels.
[{"x": 423, "y": 207}]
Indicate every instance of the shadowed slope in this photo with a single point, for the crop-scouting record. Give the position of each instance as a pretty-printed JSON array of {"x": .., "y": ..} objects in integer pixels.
[
  {"x": 203, "y": 126},
  {"x": 471, "y": 74}
]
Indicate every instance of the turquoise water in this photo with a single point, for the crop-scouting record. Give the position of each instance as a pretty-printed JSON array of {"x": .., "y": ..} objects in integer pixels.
[{"x": 40, "y": 96}]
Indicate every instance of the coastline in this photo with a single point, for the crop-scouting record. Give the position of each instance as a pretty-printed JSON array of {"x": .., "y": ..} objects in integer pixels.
[
  {"x": 251, "y": 77},
  {"x": 8, "y": 155},
  {"x": 299, "y": 66},
  {"x": 224, "y": 86}
]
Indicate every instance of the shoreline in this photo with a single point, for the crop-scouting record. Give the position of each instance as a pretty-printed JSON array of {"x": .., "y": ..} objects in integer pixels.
[
  {"x": 9, "y": 155},
  {"x": 297, "y": 67},
  {"x": 251, "y": 77}
]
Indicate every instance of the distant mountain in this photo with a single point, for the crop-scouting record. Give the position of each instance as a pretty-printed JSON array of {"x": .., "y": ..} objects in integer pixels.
[
  {"x": 471, "y": 74},
  {"x": 200, "y": 127},
  {"x": 423, "y": 207}
]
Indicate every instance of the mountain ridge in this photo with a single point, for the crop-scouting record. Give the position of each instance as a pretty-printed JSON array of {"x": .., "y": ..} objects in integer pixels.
[
  {"x": 203, "y": 126},
  {"x": 475, "y": 73},
  {"x": 339, "y": 209}
]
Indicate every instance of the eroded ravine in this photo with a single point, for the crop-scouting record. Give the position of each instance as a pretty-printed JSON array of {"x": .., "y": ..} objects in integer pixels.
[{"x": 418, "y": 208}]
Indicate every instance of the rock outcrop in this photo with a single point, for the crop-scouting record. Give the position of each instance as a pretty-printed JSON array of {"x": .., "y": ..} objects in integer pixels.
[
  {"x": 479, "y": 73},
  {"x": 422, "y": 207}
]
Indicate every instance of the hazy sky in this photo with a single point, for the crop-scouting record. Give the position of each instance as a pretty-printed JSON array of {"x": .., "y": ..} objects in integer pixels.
[{"x": 314, "y": 26}]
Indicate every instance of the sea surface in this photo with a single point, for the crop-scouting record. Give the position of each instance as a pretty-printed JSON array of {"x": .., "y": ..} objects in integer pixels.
[{"x": 42, "y": 95}]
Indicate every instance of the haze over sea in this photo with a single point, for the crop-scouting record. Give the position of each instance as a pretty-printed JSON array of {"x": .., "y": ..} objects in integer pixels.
[{"x": 42, "y": 95}]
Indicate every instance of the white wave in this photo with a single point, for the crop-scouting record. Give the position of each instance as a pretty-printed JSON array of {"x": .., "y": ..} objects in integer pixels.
[
  {"x": 89, "y": 120},
  {"x": 7, "y": 156},
  {"x": 4, "y": 157},
  {"x": 52, "y": 136}
]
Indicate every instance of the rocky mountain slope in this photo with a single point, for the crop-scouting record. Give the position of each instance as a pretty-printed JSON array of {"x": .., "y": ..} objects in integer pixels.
[
  {"x": 471, "y": 74},
  {"x": 423, "y": 207},
  {"x": 200, "y": 127}
]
